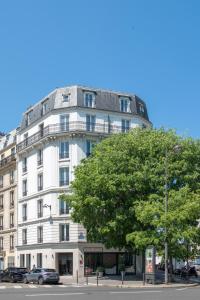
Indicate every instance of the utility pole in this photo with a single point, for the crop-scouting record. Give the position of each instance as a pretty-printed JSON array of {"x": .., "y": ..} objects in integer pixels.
[{"x": 166, "y": 211}]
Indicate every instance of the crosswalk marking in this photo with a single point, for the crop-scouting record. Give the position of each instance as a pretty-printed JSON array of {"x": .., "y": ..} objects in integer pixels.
[
  {"x": 17, "y": 287},
  {"x": 47, "y": 286},
  {"x": 32, "y": 286},
  {"x": 2, "y": 287}
]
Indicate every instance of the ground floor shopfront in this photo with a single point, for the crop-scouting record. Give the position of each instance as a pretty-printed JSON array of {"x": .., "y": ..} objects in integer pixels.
[{"x": 78, "y": 258}]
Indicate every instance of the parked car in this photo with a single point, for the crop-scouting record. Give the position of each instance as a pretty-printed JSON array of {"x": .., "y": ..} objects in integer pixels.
[
  {"x": 13, "y": 274},
  {"x": 183, "y": 272},
  {"x": 41, "y": 275}
]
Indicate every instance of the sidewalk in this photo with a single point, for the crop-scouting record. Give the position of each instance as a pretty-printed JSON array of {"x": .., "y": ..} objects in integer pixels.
[{"x": 115, "y": 281}]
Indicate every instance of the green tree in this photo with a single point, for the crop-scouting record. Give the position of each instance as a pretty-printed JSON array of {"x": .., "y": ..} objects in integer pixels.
[{"x": 119, "y": 190}]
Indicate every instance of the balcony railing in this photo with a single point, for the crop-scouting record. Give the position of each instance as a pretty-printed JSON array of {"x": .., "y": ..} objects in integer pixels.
[
  {"x": 76, "y": 126},
  {"x": 7, "y": 160}
]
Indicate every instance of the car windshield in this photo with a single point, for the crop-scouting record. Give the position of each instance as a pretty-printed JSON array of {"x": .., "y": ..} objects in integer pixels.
[{"x": 48, "y": 270}]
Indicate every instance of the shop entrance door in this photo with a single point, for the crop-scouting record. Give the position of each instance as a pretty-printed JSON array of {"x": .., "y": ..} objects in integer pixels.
[{"x": 65, "y": 263}]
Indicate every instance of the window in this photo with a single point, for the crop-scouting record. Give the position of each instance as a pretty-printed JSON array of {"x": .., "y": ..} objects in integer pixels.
[
  {"x": 141, "y": 108},
  {"x": 89, "y": 99},
  {"x": 24, "y": 165},
  {"x": 13, "y": 151},
  {"x": 12, "y": 176},
  {"x": 22, "y": 260},
  {"x": 1, "y": 202},
  {"x": 44, "y": 108},
  {"x": 64, "y": 232},
  {"x": 24, "y": 187},
  {"x": 1, "y": 222},
  {"x": 64, "y": 176},
  {"x": 40, "y": 234},
  {"x": 41, "y": 129},
  {"x": 40, "y": 157},
  {"x": 24, "y": 212},
  {"x": 24, "y": 236},
  {"x": 64, "y": 122},
  {"x": 39, "y": 260},
  {"x": 124, "y": 105},
  {"x": 28, "y": 118},
  {"x": 1, "y": 181},
  {"x": 12, "y": 220},
  {"x": 40, "y": 208},
  {"x": 64, "y": 150},
  {"x": 2, "y": 156},
  {"x": 125, "y": 125},
  {"x": 28, "y": 261},
  {"x": 40, "y": 182},
  {"x": 64, "y": 207},
  {"x": 12, "y": 242},
  {"x": 66, "y": 98},
  {"x": 90, "y": 122},
  {"x": 12, "y": 199},
  {"x": 89, "y": 146},
  {"x": 1, "y": 244},
  {"x": 26, "y": 139}
]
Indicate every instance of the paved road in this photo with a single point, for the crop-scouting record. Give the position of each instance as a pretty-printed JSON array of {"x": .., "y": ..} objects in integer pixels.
[{"x": 61, "y": 292}]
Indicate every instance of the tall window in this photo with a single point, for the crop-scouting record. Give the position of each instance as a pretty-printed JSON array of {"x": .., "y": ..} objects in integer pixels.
[
  {"x": 89, "y": 146},
  {"x": 40, "y": 234},
  {"x": 39, "y": 260},
  {"x": 41, "y": 129},
  {"x": 28, "y": 261},
  {"x": 12, "y": 242},
  {"x": 24, "y": 165},
  {"x": 40, "y": 182},
  {"x": 66, "y": 97},
  {"x": 24, "y": 212},
  {"x": 40, "y": 208},
  {"x": 13, "y": 151},
  {"x": 24, "y": 187},
  {"x": 1, "y": 202},
  {"x": 1, "y": 244},
  {"x": 124, "y": 105},
  {"x": 12, "y": 176},
  {"x": 26, "y": 139},
  {"x": 11, "y": 220},
  {"x": 22, "y": 260},
  {"x": 125, "y": 125},
  {"x": 64, "y": 122},
  {"x": 64, "y": 150},
  {"x": 64, "y": 232},
  {"x": 1, "y": 181},
  {"x": 64, "y": 176},
  {"x": 40, "y": 157},
  {"x": 12, "y": 199},
  {"x": 24, "y": 236},
  {"x": 1, "y": 222},
  {"x": 141, "y": 108},
  {"x": 90, "y": 122},
  {"x": 89, "y": 99},
  {"x": 64, "y": 207},
  {"x": 44, "y": 108}
]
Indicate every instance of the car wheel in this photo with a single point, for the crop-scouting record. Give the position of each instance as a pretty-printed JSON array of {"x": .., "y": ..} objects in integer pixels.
[
  {"x": 12, "y": 279},
  {"x": 25, "y": 280},
  {"x": 40, "y": 281}
]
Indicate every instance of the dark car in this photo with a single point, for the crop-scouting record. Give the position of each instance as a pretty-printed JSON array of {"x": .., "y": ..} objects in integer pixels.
[
  {"x": 42, "y": 275},
  {"x": 13, "y": 274}
]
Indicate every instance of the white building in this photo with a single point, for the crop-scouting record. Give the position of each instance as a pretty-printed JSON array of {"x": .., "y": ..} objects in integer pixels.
[{"x": 55, "y": 134}]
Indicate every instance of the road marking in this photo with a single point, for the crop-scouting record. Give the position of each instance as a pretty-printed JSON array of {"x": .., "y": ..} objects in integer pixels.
[
  {"x": 17, "y": 287},
  {"x": 182, "y": 289},
  {"x": 47, "y": 295},
  {"x": 47, "y": 286},
  {"x": 32, "y": 286},
  {"x": 138, "y": 292},
  {"x": 2, "y": 287}
]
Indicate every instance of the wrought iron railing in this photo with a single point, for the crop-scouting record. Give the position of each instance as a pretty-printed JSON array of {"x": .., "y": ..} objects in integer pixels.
[
  {"x": 7, "y": 160},
  {"x": 76, "y": 126}
]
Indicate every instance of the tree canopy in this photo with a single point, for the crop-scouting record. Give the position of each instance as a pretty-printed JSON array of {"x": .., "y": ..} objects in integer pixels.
[{"x": 118, "y": 192}]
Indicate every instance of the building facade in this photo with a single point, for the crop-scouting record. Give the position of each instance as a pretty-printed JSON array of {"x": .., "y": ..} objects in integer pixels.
[
  {"x": 54, "y": 136},
  {"x": 8, "y": 199}
]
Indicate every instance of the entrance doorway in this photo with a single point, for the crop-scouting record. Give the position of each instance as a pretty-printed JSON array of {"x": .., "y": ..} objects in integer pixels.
[{"x": 65, "y": 263}]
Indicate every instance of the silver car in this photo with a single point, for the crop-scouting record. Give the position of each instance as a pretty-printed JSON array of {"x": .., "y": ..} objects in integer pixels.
[{"x": 41, "y": 275}]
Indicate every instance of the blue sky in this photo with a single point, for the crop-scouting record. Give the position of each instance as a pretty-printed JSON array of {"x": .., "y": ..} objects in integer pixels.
[{"x": 150, "y": 48}]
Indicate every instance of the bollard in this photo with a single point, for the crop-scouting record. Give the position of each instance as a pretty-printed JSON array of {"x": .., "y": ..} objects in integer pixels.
[
  {"x": 143, "y": 278},
  {"x": 122, "y": 275},
  {"x": 77, "y": 277},
  {"x": 97, "y": 278}
]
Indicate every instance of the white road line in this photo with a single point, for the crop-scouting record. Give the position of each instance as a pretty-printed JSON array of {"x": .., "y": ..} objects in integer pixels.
[
  {"x": 2, "y": 287},
  {"x": 46, "y": 286},
  {"x": 17, "y": 287},
  {"x": 47, "y": 295},
  {"x": 138, "y": 292},
  {"x": 182, "y": 289},
  {"x": 32, "y": 286}
]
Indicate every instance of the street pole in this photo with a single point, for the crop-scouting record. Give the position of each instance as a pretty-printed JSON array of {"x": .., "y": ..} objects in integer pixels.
[{"x": 166, "y": 211}]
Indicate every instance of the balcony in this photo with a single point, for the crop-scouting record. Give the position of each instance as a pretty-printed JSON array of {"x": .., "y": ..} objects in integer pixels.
[
  {"x": 7, "y": 160},
  {"x": 72, "y": 127}
]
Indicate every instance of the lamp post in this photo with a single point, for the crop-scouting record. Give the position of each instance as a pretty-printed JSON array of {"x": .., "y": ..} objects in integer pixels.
[{"x": 175, "y": 149}]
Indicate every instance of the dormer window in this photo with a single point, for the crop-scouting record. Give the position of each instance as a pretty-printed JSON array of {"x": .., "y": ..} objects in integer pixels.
[
  {"x": 89, "y": 99},
  {"x": 28, "y": 118},
  {"x": 44, "y": 108},
  {"x": 141, "y": 108},
  {"x": 66, "y": 97},
  {"x": 124, "y": 104}
]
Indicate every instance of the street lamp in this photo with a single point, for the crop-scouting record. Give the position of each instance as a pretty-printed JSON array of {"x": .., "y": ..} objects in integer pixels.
[{"x": 176, "y": 149}]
